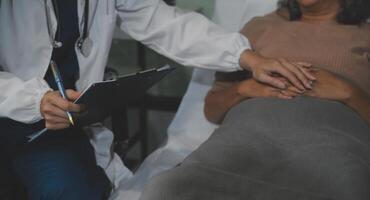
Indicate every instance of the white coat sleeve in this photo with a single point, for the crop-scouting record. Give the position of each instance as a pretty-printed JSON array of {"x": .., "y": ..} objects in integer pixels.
[
  {"x": 186, "y": 37},
  {"x": 20, "y": 100}
]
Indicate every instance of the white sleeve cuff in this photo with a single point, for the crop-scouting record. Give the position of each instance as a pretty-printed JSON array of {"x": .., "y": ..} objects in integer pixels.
[
  {"x": 43, "y": 88},
  {"x": 20, "y": 100},
  {"x": 243, "y": 45}
]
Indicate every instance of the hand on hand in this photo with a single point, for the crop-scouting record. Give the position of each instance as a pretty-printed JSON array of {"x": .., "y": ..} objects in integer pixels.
[
  {"x": 327, "y": 86},
  {"x": 251, "y": 89},
  {"x": 264, "y": 69},
  {"x": 53, "y": 109}
]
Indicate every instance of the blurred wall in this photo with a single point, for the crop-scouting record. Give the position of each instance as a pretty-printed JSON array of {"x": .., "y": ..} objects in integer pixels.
[{"x": 206, "y": 5}]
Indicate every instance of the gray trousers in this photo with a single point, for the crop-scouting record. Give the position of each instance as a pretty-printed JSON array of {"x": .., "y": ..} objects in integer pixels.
[{"x": 274, "y": 149}]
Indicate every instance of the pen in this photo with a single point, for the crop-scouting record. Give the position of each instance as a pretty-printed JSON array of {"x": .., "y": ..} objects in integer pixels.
[
  {"x": 58, "y": 80},
  {"x": 36, "y": 135}
]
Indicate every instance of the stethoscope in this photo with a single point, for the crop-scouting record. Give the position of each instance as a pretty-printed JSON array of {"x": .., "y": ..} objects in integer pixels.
[{"x": 84, "y": 43}]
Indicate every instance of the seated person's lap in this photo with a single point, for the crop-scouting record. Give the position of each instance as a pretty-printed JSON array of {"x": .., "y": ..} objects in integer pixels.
[
  {"x": 7, "y": 179},
  {"x": 59, "y": 165}
]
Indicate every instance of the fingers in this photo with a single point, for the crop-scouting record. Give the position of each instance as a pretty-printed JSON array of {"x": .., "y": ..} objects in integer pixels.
[
  {"x": 279, "y": 94},
  {"x": 295, "y": 90},
  {"x": 56, "y": 126},
  {"x": 53, "y": 122},
  {"x": 307, "y": 74},
  {"x": 306, "y": 71},
  {"x": 290, "y": 87},
  {"x": 294, "y": 74},
  {"x": 65, "y": 105},
  {"x": 55, "y": 99},
  {"x": 265, "y": 69},
  {"x": 283, "y": 96},
  {"x": 284, "y": 80},
  {"x": 73, "y": 95},
  {"x": 289, "y": 93},
  {"x": 305, "y": 64},
  {"x": 55, "y": 119},
  {"x": 52, "y": 110},
  {"x": 273, "y": 81},
  {"x": 282, "y": 70},
  {"x": 298, "y": 72}
]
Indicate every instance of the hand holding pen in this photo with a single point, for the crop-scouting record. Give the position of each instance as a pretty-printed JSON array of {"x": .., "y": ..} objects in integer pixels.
[{"x": 56, "y": 106}]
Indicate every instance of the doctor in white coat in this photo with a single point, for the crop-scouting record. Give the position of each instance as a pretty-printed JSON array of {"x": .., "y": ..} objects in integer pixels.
[{"x": 77, "y": 35}]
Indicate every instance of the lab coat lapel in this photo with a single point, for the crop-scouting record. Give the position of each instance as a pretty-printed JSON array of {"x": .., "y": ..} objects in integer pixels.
[
  {"x": 49, "y": 11},
  {"x": 80, "y": 12},
  {"x": 93, "y": 5},
  {"x": 92, "y": 11}
]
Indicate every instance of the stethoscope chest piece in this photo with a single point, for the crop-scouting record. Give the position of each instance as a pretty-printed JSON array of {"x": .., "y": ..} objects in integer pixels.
[
  {"x": 85, "y": 46},
  {"x": 84, "y": 43},
  {"x": 57, "y": 44}
]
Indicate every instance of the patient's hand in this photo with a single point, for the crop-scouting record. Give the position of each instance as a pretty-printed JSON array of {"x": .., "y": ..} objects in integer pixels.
[
  {"x": 219, "y": 100},
  {"x": 331, "y": 87},
  {"x": 251, "y": 89}
]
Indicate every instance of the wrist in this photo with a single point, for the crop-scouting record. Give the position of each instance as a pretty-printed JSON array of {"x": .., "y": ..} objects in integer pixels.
[
  {"x": 353, "y": 95},
  {"x": 249, "y": 59},
  {"x": 242, "y": 91}
]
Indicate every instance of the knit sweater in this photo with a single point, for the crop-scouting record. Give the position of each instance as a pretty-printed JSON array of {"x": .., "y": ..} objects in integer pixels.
[{"x": 341, "y": 49}]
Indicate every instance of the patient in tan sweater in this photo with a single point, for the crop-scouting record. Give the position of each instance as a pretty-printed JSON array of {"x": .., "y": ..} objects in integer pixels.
[
  {"x": 305, "y": 148},
  {"x": 319, "y": 32}
]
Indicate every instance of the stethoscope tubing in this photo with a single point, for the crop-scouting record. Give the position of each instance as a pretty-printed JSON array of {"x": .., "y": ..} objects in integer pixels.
[{"x": 55, "y": 40}]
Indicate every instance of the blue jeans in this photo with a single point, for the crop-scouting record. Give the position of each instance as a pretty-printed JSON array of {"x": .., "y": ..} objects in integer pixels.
[{"x": 59, "y": 165}]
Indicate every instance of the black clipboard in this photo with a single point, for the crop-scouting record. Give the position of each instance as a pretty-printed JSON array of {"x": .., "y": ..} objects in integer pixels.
[{"x": 101, "y": 98}]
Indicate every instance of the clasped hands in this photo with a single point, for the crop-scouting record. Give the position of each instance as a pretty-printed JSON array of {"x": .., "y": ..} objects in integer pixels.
[{"x": 284, "y": 79}]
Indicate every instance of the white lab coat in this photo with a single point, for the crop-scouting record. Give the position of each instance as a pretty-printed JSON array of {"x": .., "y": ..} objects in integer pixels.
[{"x": 25, "y": 48}]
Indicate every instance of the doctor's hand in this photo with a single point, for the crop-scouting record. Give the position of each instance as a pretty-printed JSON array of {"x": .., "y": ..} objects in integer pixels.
[
  {"x": 264, "y": 69},
  {"x": 53, "y": 109}
]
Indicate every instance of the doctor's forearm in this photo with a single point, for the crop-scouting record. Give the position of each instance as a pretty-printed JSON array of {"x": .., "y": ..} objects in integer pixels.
[
  {"x": 248, "y": 59},
  {"x": 186, "y": 37}
]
